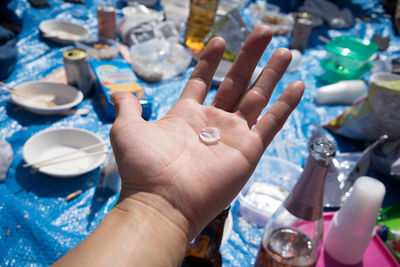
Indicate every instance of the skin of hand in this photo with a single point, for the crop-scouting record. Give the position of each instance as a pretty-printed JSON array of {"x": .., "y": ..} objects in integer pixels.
[{"x": 166, "y": 169}]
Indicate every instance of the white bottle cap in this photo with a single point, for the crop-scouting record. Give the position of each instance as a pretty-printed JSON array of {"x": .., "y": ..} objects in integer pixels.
[{"x": 352, "y": 227}]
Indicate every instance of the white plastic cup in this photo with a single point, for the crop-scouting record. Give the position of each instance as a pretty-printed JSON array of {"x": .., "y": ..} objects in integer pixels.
[
  {"x": 343, "y": 92},
  {"x": 352, "y": 227}
]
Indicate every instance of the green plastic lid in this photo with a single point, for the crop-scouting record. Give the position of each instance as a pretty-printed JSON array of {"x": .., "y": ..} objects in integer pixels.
[{"x": 352, "y": 47}]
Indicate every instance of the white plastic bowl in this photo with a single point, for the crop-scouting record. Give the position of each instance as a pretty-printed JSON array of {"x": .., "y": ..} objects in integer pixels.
[
  {"x": 50, "y": 143},
  {"x": 272, "y": 180},
  {"x": 63, "y": 32},
  {"x": 46, "y": 98}
]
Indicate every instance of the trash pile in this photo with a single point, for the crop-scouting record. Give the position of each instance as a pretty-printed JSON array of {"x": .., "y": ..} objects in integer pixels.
[{"x": 344, "y": 56}]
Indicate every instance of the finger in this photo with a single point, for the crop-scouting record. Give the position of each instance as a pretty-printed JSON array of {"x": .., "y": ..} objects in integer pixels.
[
  {"x": 255, "y": 100},
  {"x": 239, "y": 75},
  {"x": 273, "y": 120},
  {"x": 200, "y": 81},
  {"x": 126, "y": 105}
]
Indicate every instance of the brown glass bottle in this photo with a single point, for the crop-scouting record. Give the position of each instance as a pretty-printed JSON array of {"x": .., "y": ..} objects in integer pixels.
[
  {"x": 204, "y": 249},
  {"x": 293, "y": 235}
]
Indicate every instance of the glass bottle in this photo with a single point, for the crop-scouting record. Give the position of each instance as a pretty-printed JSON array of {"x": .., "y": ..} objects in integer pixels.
[
  {"x": 200, "y": 19},
  {"x": 204, "y": 249},
  {"x": 293, "y": 235}
]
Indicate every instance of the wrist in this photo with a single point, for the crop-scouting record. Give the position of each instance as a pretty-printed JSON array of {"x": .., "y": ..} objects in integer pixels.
[
  {"x": 163, "y": 228},
  {"x": 142, "y": 205}
]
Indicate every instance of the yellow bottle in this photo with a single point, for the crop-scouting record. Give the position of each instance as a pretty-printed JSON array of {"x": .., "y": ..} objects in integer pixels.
[{"x": 199, "y": 22}]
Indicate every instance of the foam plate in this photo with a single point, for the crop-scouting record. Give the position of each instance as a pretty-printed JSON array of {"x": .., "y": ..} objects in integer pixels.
[
  {"x": 46, "y": 98},
  {"x": 54, "y": 142},
  {"x": 63, "y": 32}
]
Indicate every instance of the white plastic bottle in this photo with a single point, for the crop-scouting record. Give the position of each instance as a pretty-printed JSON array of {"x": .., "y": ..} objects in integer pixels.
[{"x": 343, "y": 92}]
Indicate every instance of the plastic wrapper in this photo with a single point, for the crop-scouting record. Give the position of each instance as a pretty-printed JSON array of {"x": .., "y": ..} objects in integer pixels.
[
  {"x": 281, "y": 24},
  {"x": 386, "y": 158},
  {"x": 333, "y": 16},
  {"x": 233, "y": 29},
  {"x": 374, "y": 116},
  {"x": 346, "y": 168},
  {"x": 6, "y": 157},
  {"x": 136, "y": 30},
  {"x": 389, "y": 229},
  {"x": 159, "y": 59},
  {"x": 109, "y": 175},
  {"x": 395, "y": 168},
  {"x": 176, "y": 11}
]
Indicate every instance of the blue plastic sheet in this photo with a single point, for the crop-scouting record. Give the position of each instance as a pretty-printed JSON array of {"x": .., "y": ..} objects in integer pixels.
[{"x": 38, "y": 225}]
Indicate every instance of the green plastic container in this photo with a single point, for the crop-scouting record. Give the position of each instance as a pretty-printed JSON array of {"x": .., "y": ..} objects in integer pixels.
[
  {"x": 348, "y": 56},
  {"x": 339, "y": 72}
]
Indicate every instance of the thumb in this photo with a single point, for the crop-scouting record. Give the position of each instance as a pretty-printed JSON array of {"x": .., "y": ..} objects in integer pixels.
[{"x": 126, "y": 105}]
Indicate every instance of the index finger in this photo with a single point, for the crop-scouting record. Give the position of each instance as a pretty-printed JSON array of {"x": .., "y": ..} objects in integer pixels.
[
  {"x": 200, "y": 81},
  {"x": 238, "y": 77}
]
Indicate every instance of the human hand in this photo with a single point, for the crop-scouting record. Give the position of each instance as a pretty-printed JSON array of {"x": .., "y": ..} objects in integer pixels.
[{"x": 166, "y": 162}]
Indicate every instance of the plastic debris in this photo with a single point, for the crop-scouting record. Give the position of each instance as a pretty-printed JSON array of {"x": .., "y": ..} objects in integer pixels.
[
  {"x": 210, "y": 135},
  {"x": 6, "y": 157}
]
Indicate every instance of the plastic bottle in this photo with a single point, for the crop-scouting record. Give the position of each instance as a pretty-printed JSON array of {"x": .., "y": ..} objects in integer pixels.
[
  {"x": 293, "y": 235},
  {"x": 200, "y": 19},
  {"x": 343, "y": 92}
]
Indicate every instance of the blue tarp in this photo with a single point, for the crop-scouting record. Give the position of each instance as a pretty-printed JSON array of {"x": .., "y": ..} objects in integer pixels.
[{"x": 37, "y": 224}]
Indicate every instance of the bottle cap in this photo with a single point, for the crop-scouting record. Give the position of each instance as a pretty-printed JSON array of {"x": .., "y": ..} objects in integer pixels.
[{"x": 352, "y": 227}]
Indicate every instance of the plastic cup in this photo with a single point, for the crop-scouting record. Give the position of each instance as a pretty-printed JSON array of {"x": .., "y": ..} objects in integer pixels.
[{"x": 352, "y": 227}]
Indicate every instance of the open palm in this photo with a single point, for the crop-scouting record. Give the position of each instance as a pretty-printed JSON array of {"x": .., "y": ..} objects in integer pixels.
[{"x": 168, "y": 159}]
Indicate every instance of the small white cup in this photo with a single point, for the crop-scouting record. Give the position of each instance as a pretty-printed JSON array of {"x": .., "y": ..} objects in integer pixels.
[{"x": 352, "y": 227}]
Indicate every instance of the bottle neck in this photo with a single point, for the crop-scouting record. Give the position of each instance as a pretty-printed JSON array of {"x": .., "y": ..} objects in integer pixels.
[{"x": 306, "y": 200}]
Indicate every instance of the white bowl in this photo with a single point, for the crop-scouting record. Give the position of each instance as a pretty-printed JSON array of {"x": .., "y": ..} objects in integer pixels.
[
  {"x": 46, "y": 98},
  {"x": 50, "y": 143},
  {"x": 63, "y": 32}
]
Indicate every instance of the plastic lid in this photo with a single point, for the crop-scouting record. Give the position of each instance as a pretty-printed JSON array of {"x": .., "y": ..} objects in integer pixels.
[{"x": 352, "y": 47}]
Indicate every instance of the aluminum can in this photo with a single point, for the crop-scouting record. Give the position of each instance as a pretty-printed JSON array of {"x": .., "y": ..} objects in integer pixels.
[
  {"x": 77, "y": 69},
  {"x": 301, "y": 31},
  {"x": 106, "y": 21}
]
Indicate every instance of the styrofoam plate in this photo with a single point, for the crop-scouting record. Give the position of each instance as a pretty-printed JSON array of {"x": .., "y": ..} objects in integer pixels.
[
  {"x": 46, "y": 98},
  {"x": 54, "y": 142},
  {"x": 63, "y": 32}
]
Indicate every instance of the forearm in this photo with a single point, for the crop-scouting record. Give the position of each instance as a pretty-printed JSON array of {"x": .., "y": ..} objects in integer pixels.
[{"x": 134, "y": 233}]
